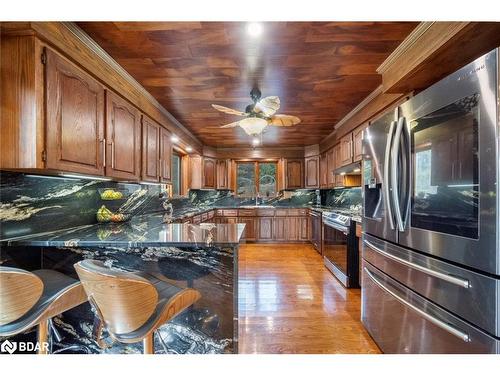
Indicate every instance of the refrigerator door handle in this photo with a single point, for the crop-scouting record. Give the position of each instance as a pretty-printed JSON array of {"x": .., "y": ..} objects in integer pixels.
[
  {"x": 387, "y": 169},
  {"x": 439, "y": 275},
  {"x": 430, "y": 318},
  {"x": 395, "y": 175}
]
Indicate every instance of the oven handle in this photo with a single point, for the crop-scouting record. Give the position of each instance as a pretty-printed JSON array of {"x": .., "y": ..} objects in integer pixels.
[
  {"x": 439, "y": 275},
  {"x": 387, "y": 190},
  {"x": 452, "y": 330},
  {"x": 337, "y": 227}
]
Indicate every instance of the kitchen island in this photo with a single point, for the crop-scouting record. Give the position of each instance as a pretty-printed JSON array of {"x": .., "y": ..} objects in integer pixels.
[{"x": 203, "y": 257}]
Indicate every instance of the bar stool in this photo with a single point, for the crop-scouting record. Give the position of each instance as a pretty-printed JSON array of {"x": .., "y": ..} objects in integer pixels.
[
  {"x": 33, "y": 298},
  {"x": 131, "y": 305}
]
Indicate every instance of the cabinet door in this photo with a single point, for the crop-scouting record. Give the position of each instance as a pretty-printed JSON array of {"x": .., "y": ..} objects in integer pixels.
[
  {"x": 337, "y": 156},
  {"x": 312, "y": 172},
  {"x": 150, "y": 150},
  {"x": 75, "y": 118},
  {"x": 303, "y": 228},
  {"x": 339, "y": 180},
  {"x": 294, "y": 174},
  {"x": 165, "y": 155},
  {"x": 280, "y": 229},
  {"x": 123, "y": 131},
  {"x": 292, "y": 229},
  {"x": 249, "y": 233},
  {"x": 332, "y": 159},
  {"x": 265, "y": 228},
  {"x": 323, "y": 170},
  {"x": 208, "y": 173},
  {"x": 357, "y": 136},
  {"x": 346, "y": 149},
  {"x": 222, "y": 174}
]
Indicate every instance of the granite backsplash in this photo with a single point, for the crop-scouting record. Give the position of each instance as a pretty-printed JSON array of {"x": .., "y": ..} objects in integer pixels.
[{"x": 32, "y": 204}]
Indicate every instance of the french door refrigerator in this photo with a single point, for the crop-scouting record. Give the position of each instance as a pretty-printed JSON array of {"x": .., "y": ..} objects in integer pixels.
[{"x": 431, "y": 254}]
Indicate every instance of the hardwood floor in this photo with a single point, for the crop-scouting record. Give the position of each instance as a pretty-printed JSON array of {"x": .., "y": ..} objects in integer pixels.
[{"x": 290, "y": 303}]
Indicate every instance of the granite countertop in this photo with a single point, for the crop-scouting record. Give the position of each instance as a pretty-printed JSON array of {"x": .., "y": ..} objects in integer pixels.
[{"x": 141, "y": 231}]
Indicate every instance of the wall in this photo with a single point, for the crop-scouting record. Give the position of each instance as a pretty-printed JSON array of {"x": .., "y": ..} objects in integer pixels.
[{"x": 35, "y": 204}]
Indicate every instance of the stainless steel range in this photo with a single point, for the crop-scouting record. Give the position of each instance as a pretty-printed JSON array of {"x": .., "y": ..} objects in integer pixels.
[
  {"x": 340, "y": 248},
  {"x": 431, "y": 254}
]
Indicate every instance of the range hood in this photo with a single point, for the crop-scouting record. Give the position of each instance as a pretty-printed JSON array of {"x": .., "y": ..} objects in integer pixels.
[{"x": 353, "y": 168}]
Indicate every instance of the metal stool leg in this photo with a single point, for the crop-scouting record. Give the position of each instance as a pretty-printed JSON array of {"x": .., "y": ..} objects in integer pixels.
[
  {"x": 148, "y": 343},
  {"x": 43, "y": 333}
]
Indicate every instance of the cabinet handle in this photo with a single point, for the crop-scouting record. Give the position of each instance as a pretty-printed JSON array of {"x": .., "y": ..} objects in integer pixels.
[
  {"x": 112, "y": 143},
  {"x": 103, "y": 145}
]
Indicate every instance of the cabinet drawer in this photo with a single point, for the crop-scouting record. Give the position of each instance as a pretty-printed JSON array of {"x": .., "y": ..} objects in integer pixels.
[
  {"x": 211, "y": 214},
  {"x": 197, "y": 219},
  {"x": 293, "y": 212},
  {"x": 204, "y": 216},
  {"x": 401, "y": 321},
  {"x": 265, "y": 212},
  {"x": 246, "y": 212},
  {"x": 440, "y": 282},
  {"x": 281, "y": 212},
  {"x": 302, "y": 212},
  {"x": 229, "y": 212}
]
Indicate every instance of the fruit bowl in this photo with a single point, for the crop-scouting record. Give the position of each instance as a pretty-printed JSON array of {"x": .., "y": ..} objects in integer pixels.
[
  {"x": 104, "y": 215},
  {"x": 110, "y": 194}
]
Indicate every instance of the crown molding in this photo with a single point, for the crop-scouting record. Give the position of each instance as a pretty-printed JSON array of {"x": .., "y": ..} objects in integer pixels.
[
  {"x": 356, "y": 109},
  {"x": 404, "y": 46}
]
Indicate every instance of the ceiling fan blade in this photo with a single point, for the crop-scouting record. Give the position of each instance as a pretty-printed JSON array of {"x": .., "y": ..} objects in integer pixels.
[
  {"x": 284, "y": 120},
  {"x": 231, "y": 125},
  {"x": 228, "y": 110},
  {"x": 268, "y": 105}
]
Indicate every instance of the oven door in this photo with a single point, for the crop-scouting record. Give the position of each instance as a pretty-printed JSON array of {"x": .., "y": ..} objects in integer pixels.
[
  {"x": 335, "y": 250},
  {"x": 446, "y": 167}
]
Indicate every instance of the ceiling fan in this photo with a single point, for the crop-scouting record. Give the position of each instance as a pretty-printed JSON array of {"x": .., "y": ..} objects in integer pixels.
[{"x": 258, "y": 115}]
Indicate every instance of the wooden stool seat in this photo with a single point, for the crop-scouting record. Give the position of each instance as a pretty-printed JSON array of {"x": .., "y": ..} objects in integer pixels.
[
  {"x": 132, "y": 305},
  {"x": 28, "y": 299}
]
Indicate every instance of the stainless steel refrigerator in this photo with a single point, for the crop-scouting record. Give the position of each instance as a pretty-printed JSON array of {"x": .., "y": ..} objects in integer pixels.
[{"x": 431, "y": 254}]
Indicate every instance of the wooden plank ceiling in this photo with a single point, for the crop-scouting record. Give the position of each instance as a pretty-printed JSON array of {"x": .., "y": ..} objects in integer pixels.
[{"x": 319, "y": 70}]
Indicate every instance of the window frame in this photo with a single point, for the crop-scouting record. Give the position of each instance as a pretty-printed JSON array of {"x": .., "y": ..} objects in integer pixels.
[{"x": 256, "y": 164}]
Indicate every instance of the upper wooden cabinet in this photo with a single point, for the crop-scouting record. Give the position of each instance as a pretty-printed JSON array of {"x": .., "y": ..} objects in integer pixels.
[
  {"x": 150, "y": 150},
  {"x": 209, "y": 171},
  {"x": 222, "y": 174},
  {"x": 331, "y": 160},
  {"x": 294, "y": 173},
  {"x": 123, "y": 132},
  {"x": 165, "y": 155},
  {"x": 346, "y": 149},
  {"x": 75, "y": 118},
  {"x": 312, "y": 172},
  {"x": 357, "y": 136},
  {"x": 323, "y": 170}
]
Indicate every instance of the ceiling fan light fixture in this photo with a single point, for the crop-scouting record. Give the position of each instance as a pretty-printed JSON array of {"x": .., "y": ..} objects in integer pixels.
[{"x": 253, "y": 125}]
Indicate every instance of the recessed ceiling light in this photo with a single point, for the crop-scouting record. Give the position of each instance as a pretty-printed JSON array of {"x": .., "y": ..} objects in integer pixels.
[
  {"x": 189, "y": 148},
  {"x": 357, "y": 170},
  {"x": 342, "y": 173},
  {"x": 255, "y": 141},
  {"x": 254, "y": 29},
  {"x": 174, "y": 138}
]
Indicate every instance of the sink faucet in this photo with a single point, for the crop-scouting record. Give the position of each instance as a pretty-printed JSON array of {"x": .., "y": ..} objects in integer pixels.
[{"x": 257, "y": 196}]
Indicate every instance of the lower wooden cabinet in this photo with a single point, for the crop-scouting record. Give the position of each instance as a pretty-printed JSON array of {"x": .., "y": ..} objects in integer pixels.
[
  {"x": 250, "y": 232},
  {"x": 304, "y": 234},
  {"x": 265, "y": 229},
  {"x": 280, "y": 228}
]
